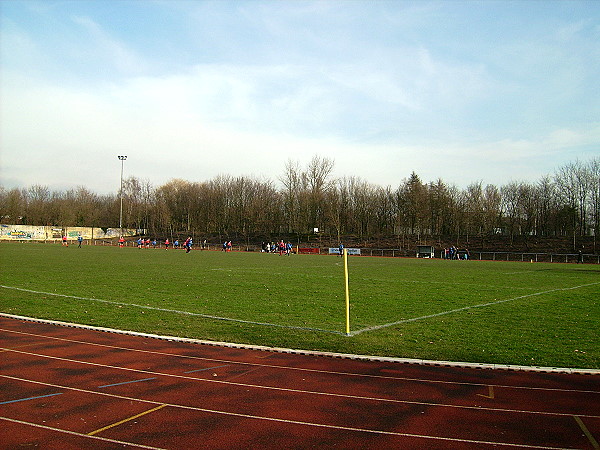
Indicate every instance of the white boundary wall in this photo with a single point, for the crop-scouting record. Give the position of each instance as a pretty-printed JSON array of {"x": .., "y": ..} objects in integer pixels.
[{"x": 53, "y": 233}]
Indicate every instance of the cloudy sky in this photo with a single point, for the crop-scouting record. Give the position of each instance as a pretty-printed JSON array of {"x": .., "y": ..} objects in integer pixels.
[{"x": 466, "y": 91}]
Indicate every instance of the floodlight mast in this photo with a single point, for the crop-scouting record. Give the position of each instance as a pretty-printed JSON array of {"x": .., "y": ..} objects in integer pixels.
[{"x": 122, "y": 159}]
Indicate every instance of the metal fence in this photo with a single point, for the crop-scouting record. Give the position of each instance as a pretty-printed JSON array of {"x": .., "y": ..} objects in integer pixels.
[
  {"x": 586, "y": 258},
  {"x": 537, "y": 257}
]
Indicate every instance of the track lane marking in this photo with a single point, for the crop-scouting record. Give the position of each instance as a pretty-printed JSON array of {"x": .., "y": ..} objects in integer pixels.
[
  {"x": 120, "y": 422},
  {"x": 490, "y": 393},
  {"x": 244, "y": 373},
  {"x": 301, "y": 391},
  {"x": 208, "y": 368},
  {"x": 274, "y": 366},
  {"x": 74, "y": 433},
  {"x": 20, "y": 346},
  {"x": 126, "y": 382},
  {"x": 585, "y": 430},
  {"x": 29, "y": 398},
  {"x": 287, "y": 421}
]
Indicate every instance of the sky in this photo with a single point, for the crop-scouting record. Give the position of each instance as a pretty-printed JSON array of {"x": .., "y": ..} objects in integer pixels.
[{"x": 463, "y": 91}]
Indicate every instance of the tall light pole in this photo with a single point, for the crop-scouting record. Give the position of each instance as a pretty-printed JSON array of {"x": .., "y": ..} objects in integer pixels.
[{"x": 122, "y": 158}]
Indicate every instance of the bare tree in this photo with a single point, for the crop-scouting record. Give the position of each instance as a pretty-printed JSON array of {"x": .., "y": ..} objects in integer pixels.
[
  {"x": 362, "y": 196},
  {"x": 511, "y": 208},
  {"x": 384, "y": 210},
  {"x": 574, "y": 182},
  {"x": 491, "y": 209},
  {"x": 565, "y": 204},
  {"x": 441, "y": 208},
  {"x": 39, "y": 206},
  {"x": 594, "y": 185},
  {"x": 317, "y": 178},
  {"x": 292, "y": 183},
  {"x": 472, "y": 209},
  {"x": 12, "y": 205},
  {"x": 413, "y": 204},
  {"x": 547, "y": 206}
]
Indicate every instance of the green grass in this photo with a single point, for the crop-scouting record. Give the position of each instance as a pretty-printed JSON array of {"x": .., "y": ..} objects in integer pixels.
[{"x": 532, "y": 316}]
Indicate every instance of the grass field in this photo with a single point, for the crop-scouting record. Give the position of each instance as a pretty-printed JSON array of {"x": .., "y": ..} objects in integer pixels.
[{"x": 477, "y": 311}]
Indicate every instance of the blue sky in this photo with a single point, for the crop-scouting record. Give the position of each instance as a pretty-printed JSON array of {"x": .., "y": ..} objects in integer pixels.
[{"x": 465, "y": 91}]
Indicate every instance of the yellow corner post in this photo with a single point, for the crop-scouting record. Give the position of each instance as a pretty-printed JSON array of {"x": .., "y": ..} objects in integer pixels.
[{"x": 347, "y": 292}]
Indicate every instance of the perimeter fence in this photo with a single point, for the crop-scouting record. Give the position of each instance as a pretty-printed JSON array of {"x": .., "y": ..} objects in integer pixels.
[{"x": 585, "y": 258}]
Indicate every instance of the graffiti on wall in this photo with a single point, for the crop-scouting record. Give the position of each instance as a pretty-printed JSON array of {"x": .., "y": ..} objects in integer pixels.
[
  {"x": 19, "y": 235},
  {"x": 41, "y": 233}
]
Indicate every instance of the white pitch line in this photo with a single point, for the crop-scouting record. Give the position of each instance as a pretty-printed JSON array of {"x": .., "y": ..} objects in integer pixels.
[
  {"x": 465, "y": 308},
  {"x": 445, "y": 283},
  {"x": 296, "y": 391},
  {"x": 292, "y": 422},
  {"x": 175, "y": 311}
]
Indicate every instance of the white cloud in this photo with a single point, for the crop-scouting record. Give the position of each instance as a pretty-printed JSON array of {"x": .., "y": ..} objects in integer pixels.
[
  {"x": 219, "y": 119},
  {"x": 105, "y": 49},
  {"x": 381, "y": 93}
]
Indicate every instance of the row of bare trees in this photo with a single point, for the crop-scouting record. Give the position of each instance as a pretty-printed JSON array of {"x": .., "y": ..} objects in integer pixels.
[{"x": 566, "y": 203}]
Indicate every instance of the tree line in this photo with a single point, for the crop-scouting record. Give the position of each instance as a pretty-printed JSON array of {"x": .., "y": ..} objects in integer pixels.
[{"x": 566, "y": 203}]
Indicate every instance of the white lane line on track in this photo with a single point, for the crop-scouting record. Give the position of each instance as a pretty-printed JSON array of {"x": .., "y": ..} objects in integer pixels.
[
  {"x": 302, "y": 369},
  {"x": 74, "y": 433},
  {"x": 304, "y": 392},
  {"x": 126, "y": 382},
  {"x": 291, "y": 422}
]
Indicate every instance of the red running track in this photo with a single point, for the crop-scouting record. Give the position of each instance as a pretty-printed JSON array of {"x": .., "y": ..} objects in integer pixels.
[{"x": 70, "y": 387}]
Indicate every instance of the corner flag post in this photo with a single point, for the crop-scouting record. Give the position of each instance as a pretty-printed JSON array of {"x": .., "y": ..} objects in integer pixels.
[{"x": 347, "y": 292}]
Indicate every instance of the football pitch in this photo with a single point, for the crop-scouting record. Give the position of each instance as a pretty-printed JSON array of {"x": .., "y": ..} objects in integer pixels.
[{"x": 535, "y": 314}]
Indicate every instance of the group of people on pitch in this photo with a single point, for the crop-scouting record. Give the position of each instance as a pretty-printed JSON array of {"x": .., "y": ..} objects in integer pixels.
[{"x": 280, "y": 247}]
